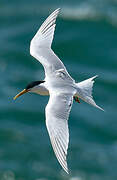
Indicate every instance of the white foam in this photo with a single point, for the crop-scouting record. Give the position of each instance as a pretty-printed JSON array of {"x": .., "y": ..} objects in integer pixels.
[
  {"x": 83, "y": 11},
  {"x": 75, "y": 178},
  {"x": 90, "y": 11}
]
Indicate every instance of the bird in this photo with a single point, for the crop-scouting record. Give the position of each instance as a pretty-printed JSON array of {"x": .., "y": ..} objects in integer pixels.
[{"x": 59, "y": 86}]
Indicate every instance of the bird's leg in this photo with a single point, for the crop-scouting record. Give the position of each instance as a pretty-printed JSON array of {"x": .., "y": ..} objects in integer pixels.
[{"x": 76, "y": 99}]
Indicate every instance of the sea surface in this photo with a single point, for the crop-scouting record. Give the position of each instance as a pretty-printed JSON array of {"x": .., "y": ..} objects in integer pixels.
[{"x": 86, "y": 41}]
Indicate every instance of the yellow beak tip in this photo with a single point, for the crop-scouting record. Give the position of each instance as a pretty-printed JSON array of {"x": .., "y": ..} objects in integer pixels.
[{"x": 22, "y": 92}]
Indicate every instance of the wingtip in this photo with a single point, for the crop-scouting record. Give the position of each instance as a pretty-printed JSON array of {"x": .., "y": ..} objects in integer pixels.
[
  {"x": 57, "y": 10},
  {"x": 100, "y": 108},
  {"x": 94, "y": 77},
  {"x": 66, "y": 169}
]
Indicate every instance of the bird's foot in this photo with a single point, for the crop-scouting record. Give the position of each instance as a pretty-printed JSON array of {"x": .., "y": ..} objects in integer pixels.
[{"x": 76, "y": 99}]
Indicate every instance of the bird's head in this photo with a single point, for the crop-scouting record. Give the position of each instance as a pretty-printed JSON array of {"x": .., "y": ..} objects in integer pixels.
[{"x": 31, "y": 87}]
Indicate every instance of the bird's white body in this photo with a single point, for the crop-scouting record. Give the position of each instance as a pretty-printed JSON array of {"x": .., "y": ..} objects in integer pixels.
[{"x": 60, "y": 86}]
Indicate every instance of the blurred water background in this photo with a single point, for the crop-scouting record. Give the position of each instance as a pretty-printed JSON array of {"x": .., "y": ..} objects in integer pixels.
[{"x": 86, "y": 41}]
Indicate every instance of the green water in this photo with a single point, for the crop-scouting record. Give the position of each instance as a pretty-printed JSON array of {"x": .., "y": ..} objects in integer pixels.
[{"x": 86, "y": 41}]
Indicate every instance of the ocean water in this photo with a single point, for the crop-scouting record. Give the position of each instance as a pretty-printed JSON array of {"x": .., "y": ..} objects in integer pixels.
[{"x": 86, "y": 41}]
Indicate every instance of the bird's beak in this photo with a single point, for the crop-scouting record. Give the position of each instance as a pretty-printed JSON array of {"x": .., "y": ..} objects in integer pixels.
[{"x": 22, "y": 92}]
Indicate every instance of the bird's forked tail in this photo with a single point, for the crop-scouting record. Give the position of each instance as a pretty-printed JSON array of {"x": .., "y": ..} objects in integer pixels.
[{"x": 84, "y": 91}]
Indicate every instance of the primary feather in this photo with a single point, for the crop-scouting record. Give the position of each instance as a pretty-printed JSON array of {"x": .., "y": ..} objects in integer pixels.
[
  {"x": 57, "y": 124},
  {"x": 40, "y": 47}
]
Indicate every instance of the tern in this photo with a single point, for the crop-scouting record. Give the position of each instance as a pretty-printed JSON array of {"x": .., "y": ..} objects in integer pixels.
[{"x": 60, "y": 86}]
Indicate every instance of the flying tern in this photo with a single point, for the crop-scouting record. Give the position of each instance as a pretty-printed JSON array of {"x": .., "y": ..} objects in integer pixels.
[{"x": 59, "y": 85}]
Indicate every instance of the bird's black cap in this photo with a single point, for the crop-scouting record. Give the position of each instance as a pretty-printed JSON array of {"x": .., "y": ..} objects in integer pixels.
[{"x": 33, "y": 83}]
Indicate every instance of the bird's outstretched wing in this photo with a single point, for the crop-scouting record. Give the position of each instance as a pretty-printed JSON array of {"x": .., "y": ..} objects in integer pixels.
[
  {"x": 57, "y": 114},
  {"x": 40, "y": 46}
]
